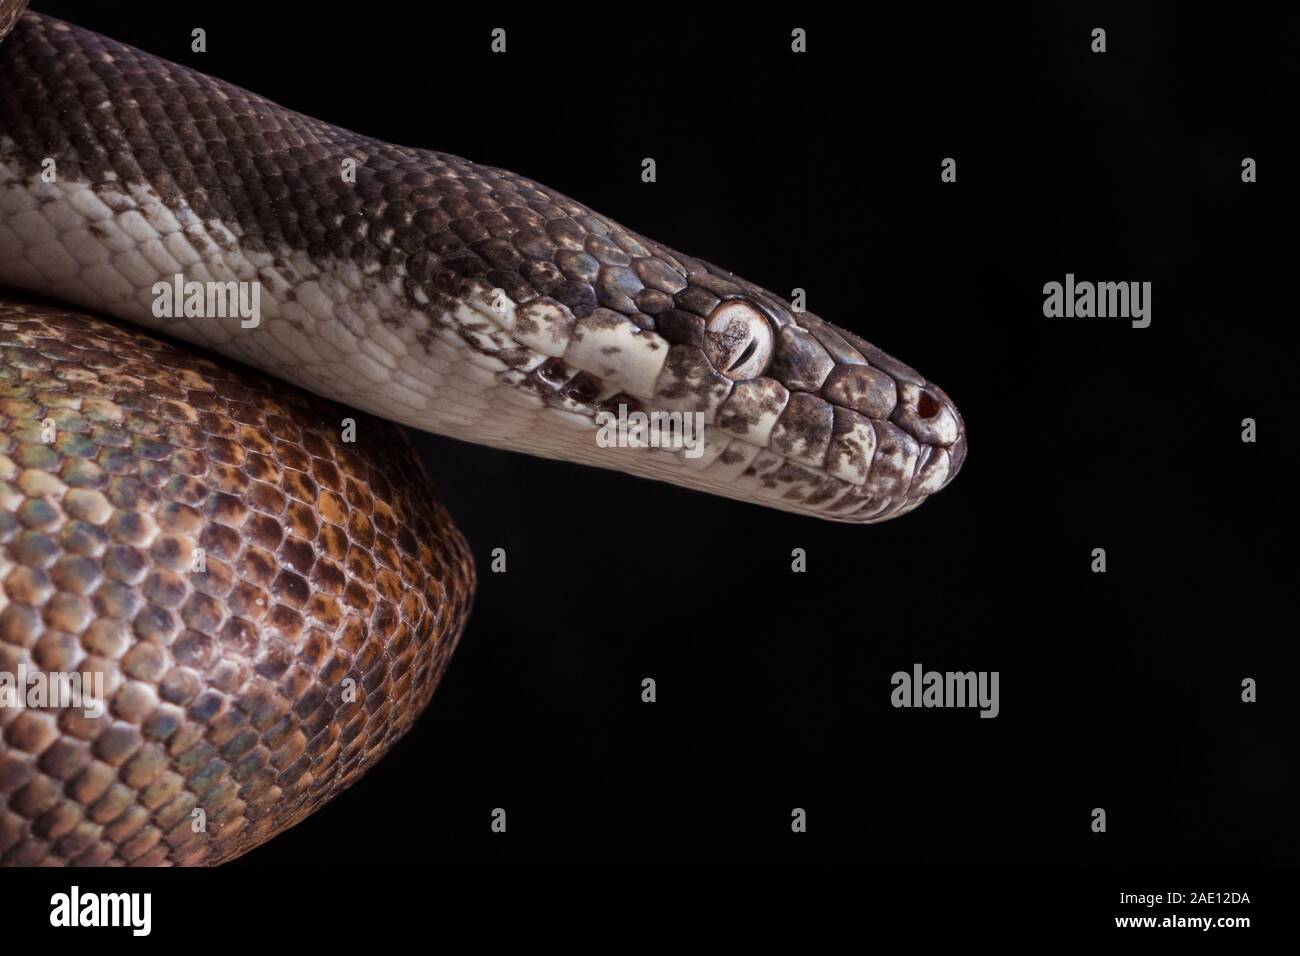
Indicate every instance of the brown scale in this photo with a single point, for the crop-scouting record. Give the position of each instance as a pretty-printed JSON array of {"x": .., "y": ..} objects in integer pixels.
[{"x": 325, "y": 561}]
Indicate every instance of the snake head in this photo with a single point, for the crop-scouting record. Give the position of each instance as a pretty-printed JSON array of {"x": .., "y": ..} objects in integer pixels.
[
  {"x": 842, "y": 430},
  {"x": 787, "y": 410}
]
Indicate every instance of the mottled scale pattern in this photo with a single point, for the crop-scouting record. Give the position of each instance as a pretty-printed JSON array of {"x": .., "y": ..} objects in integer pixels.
[
  {"x": 327, "y": 564},
  {"x": 436, "y": 292}
]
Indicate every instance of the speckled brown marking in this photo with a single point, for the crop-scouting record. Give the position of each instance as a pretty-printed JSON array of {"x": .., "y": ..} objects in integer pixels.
[
  {"x": 895, "y": 462},
  {"x": 690, "y": 383},
  {"x": 866, "y": 390},
  {"x": 545, "y": 323},
  {"x": 803, "y": 430},
  {"x": 853, "y": 445},
  {"x": 749, "y": 402}
]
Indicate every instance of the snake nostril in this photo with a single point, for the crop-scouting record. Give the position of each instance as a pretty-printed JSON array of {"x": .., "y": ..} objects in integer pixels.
[{"x": 927, "y": 406}]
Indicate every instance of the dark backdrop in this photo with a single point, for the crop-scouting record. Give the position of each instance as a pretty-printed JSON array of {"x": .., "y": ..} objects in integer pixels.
[{"x": 821, "y": 171}]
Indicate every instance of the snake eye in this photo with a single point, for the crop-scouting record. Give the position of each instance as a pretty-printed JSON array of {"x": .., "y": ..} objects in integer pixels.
[{"x": 738, "y": 340}]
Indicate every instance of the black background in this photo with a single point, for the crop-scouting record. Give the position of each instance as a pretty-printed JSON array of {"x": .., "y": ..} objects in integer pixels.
[{"x": 821, "y": 171}]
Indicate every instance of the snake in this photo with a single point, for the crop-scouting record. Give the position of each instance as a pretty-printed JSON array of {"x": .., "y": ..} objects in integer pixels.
[{"x": 216, "y": 519}]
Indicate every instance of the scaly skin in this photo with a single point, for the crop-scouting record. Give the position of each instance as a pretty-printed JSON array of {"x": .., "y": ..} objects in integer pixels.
[
  {"x": 445, "y": 295},
  {"x": 226, "y": 689}
]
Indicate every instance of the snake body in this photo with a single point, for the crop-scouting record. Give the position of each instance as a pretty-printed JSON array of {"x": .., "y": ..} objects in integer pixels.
[{"x": 420, "y": 287}]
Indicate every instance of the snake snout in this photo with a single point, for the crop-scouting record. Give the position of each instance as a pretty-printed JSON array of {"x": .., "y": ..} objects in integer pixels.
[
  {"x": 930, "y": 416},
  {"x": 864, "y": 437}
]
